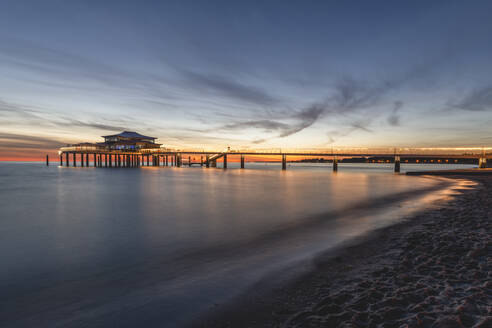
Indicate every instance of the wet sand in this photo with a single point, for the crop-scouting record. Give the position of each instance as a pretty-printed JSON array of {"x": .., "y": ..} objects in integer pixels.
[{"x": 433, "y": 270}]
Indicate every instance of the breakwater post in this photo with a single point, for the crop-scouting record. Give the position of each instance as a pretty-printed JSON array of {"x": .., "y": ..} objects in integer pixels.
[
  {"x": 61, "y": 160},
  {"x": 47, "y": 161},
  {"x": 397, "y": 164},
  {"x": 284, "y": 162},
  {"x": 242, "y": 161},
  {"x": 225, "y": 161},
  {"x": 207, "y": 161},
  {"x": 335, "y": 163},
  {"x": 482, "y": 161}
]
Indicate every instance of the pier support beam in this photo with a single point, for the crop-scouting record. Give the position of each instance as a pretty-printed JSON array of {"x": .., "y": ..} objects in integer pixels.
[
  {"x": 207, "y": 161},
  {"x": 189, "y": 161},
  {"x": 74, "y": 160},
  {"x": 242, "y": 161},
  {"x": 47, "y": 160},
  {"x": 284, "y": 162},
  {"x": 110, "y": 160},
  {"x": 201, "y": 160},
  {"x": 105, "y": 160},
  {"x": 335, "y": 163},
  {"x": 167, "y": 160},
  {"x": 482, "y": 162},
  {"x": 178, "y": 160},
  {"x": 67, "y": 159},
  {"x": 397, "y": 164},
  {"x": 82, "y": 160},
  {"x": 61, "y": 159},
  {"x": 225, "y": 161},
  {"x": 87, "y": 160}
]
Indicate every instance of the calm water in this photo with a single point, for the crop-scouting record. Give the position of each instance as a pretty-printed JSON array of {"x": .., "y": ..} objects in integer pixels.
[{"x": 157, "y": 246}]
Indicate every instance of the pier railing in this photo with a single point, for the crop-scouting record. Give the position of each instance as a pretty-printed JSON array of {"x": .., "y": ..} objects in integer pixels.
[{"x": 103, "y": 157}]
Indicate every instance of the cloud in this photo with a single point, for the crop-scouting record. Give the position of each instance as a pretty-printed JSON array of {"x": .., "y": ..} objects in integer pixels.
[
  {"x": 228, "y": 87},
  {"x": 20, "y": 141},
  {"x": 94, "y": 125},
  {"x": 394, "y": 117},
  {"x": 477, "y": 100},
  {"x": 266, "y": 125},
  {"x": 347, "y": 96}
]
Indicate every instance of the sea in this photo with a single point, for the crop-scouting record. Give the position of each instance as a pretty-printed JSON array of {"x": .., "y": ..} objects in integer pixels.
[{"x": 162, "y": 246}]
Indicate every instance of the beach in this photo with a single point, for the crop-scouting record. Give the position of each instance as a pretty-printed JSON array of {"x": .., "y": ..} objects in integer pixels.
[{"x": 431, "y": 270}]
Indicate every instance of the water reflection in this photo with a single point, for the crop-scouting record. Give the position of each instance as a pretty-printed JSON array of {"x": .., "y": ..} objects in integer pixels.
[{"x": 162, "y": 243}]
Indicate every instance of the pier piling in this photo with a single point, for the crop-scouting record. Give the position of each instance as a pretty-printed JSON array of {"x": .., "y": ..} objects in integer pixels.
[
  {"x": 335, "y": 164},
  {"x": 225, "y": 161},
  {"x": 284, "y": 162},
  {"x": 67, "y": 159},
  {"x": 61, "y": 159},
  {"x": 47, "y": 160},
  {"x": 207, "y": 161},
  {"x": 397, "y": 164},
  {"x": 242, "y": 161},
  {"x": 74, "y": 160}
]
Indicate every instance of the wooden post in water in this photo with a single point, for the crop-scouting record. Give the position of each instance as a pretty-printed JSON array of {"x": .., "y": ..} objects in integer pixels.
[
  {"x": 67, "y": 159},
  {"x": 179, "y": 160},
  {"x": 189, "y": 161},
  {"x": 47, "y": 160},
  {"x": 284, "y": 162},
  {"x": 335, "y": 163},
  {"x": 74, "y": 160},
  {"x": 482, "y": 161},
  {"x": 147, "y": 160},
  {"x": 207, "y": 161},
  {"x": 167, "y": 161},
  {"x": 61, "y": 159},
  {"x": 242, "y": 161},
  {"x": 87, "y": 160},
  {"x": 225, "y": 161},
  {"x": 397, "y": 164},
  {"x": 201, "y": 160}
]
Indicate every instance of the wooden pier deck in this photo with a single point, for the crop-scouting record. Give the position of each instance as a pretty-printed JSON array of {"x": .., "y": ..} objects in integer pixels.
[{"x": 179, "y": 158}]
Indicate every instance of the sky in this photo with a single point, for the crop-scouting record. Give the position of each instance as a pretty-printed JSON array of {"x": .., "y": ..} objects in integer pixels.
[{"x": 245, "y": 74}]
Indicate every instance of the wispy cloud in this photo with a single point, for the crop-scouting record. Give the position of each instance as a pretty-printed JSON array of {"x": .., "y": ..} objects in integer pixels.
[
  {"x": 394, "y": 117},
  {"x": 20, "y": 141},
  {"x": 228, "y": 87},
  {"x": 477, "y": 100}
]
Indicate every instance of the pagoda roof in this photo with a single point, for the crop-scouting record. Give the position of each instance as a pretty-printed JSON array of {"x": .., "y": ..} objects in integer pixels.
[{"x": 130, "y": 134}]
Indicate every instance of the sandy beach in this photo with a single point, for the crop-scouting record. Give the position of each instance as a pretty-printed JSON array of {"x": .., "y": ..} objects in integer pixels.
[{"x": 432, "y": 270}]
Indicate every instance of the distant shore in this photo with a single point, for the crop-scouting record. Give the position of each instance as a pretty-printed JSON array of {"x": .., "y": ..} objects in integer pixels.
[{"x": 434, "y": 269}]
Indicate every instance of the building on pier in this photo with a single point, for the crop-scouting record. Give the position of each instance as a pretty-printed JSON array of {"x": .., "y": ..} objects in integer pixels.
[
  {"x": 124, "y": 141},
  {"x": 128, "y": 141}
]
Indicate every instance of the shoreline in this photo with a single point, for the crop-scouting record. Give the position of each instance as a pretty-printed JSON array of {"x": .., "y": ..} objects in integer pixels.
[{"x": 431, "y": 269}]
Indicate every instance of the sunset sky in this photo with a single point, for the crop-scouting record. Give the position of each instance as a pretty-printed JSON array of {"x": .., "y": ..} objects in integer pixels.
[{"x": 245, "y": 74}]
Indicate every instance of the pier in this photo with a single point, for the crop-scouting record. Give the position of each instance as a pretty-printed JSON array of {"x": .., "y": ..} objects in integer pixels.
[{"x": 133, "y": 150}]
